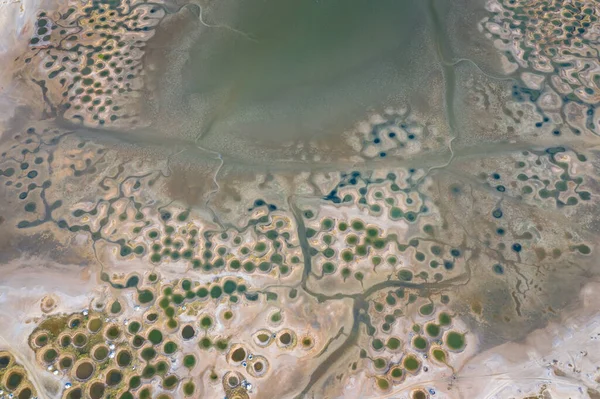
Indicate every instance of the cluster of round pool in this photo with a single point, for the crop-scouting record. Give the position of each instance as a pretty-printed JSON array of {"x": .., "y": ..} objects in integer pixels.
[
  {"x": 394, "y": 358},
  {"x": 555, "y": 38},
  {"x": 94, "y": 53},
  {"x": 14, "y": 382}
]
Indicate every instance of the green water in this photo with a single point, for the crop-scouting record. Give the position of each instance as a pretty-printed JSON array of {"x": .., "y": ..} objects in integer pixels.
[
  {"x": 295, "y": 43},
  {"x": 304, "y": 68}
]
